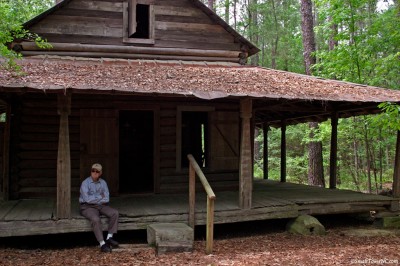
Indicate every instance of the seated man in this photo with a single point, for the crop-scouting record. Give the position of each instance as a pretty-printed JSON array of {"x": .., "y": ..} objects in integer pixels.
[{"x": 94, "y": 199}]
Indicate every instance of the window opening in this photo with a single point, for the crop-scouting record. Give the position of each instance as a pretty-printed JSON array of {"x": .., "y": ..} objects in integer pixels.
[
  {"x": 142, "y": 22},
  {"x": 194, "y": 138}
]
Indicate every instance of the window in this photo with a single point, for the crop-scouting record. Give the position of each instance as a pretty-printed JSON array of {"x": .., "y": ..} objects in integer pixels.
[
  {"x": 192, "y": 135},
  {"x": 139, "y": 21}
]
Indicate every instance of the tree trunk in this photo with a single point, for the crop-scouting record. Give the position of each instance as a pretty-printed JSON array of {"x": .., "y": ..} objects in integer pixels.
[
  {"x": 307, "y": 28},
  {"x": 227, "y": 4},
  {"x": 234, "y": 14},
  {"x": 254, "y": 36},
  {"x": 315, "y": 164},
  {"x": 275, "y": 42}
]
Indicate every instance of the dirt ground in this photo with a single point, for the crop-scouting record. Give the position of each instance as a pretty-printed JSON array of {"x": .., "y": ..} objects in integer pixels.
[{"x": 256, "y": 243}]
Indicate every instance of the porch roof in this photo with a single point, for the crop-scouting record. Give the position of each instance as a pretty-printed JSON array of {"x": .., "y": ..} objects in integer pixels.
[
  {"x": 280, "y": 95},
  {"x": 201, "y": 79}
]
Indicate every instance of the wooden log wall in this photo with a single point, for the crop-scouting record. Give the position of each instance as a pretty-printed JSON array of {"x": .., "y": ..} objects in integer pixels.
[
  {"x": 35, "y": 142},
  {"x": 36, "y": 150},
  {"x": 178, "y": 24}
]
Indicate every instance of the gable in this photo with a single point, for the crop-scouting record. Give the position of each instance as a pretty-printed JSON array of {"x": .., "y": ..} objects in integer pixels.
[{"x": 178, "y": 25}]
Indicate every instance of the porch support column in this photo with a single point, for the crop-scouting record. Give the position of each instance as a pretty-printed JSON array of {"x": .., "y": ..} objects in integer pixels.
[
  {"x": 265, "y": 150},
  {"x": 64, "y": 159},
  {"x": 283, "y": 151},
  {"x": 245, "y": 168},
  {"x": 333, "y": 158},
  {"x": 396, "y": 175}
]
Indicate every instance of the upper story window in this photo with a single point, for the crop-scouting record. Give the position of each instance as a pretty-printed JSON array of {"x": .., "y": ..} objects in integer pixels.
[{"x": 139, "y": 21}]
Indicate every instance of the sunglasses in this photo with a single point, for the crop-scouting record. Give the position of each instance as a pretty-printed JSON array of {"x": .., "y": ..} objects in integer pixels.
[{"x": 95, "y": 171}]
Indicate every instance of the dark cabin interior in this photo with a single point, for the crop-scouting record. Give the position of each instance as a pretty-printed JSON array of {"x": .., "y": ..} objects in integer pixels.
[{"x": 136, "y": 152}]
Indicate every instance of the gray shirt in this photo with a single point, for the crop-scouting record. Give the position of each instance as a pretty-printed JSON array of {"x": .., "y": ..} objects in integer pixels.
[{"x": 94, "y": 192}]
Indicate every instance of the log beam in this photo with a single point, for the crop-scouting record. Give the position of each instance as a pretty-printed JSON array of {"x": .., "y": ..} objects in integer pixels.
[
  {"x": 110, "y": 49},
  {"x": 245, "y": 171},
  {"x": 64, "y": 159}
]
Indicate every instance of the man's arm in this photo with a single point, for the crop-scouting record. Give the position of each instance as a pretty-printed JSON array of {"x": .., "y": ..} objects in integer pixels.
[
  {"x": 91, "y": 199},
  {"x": 105, "y": 193}
]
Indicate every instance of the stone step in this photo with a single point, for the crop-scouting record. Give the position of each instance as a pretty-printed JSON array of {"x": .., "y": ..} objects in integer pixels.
[{"x": 170, "y": 237}]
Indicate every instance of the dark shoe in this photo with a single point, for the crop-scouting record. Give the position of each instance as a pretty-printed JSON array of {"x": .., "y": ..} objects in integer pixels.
[
  {"x": 111, "y": 242},
  {"x": 105, "y": 248}
]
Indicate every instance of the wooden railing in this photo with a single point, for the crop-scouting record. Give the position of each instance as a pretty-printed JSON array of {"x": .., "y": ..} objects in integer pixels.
[{"x": 194, "y": 169}]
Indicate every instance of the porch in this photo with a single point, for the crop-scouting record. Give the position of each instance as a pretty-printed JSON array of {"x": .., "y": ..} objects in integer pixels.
[{"x": 271, "y": 200}]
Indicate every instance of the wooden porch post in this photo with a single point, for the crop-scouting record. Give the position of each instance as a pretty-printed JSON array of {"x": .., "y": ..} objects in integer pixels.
[
  {"x": 265, "y": 150},
  {"x": 245, "y": 170},
  {"x": 396, "y": 175},
  {"x": 333, "y": 157},
  {"x": 6, "y": 154},
  {"x": 64, "y": 159},
  {"x": 283, "y": 151}
]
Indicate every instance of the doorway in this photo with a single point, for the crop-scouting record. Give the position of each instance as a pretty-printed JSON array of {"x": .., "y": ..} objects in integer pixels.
[{"x": 136, "y": 148}]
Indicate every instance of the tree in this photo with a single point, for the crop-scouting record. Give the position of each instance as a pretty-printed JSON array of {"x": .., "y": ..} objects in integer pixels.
[
  {"x": 315, "y": 161},
  {"x": 12, "y": 14}
]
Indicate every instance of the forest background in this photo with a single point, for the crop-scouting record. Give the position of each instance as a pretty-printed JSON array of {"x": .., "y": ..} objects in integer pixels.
[{"x": 350, "y": 40}]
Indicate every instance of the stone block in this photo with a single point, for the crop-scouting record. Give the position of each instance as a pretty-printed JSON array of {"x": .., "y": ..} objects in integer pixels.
[{"x": 170, "y": 237}]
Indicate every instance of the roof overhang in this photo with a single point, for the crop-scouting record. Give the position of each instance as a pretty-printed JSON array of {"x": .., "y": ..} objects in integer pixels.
[{"x": 278, "y": 95}]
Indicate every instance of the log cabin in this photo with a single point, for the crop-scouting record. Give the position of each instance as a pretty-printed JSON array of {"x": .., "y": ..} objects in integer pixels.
[{"x": 137, "y": 85}]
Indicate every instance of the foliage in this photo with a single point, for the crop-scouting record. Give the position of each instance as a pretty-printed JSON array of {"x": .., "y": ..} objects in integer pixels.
[
  {"x": 367, "y": 41},
  {"x": 12, "y": 14}
]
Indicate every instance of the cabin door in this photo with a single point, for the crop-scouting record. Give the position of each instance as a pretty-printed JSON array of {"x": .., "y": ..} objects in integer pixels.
[
  {"x": 136, "y": 151},
  {"x": 99, "y": 143}
]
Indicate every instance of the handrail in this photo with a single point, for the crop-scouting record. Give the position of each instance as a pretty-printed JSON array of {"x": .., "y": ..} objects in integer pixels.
[{"x": 194, "y": 169}]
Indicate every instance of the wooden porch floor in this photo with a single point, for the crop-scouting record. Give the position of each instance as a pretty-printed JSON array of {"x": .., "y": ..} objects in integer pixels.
[{"x": 271, "y": 200}]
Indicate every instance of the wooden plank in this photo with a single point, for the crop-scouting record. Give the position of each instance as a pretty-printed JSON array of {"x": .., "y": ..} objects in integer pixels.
[
  {"x": 6, "y": 207},
  {"x": 188, "y": 27},
  {"x": 174, "y": 3},
  {"x": 176, "y": 35},
  {"x": 88, "y": 13},
  {"x": 31, "y": 210},
  {"x": 44, "y": 146},
  {"x": 179, "y": 11},
  {"x": 67, "y": 28},
  {"x": 96, "y": 5},
  {"x": 196, "y": 45},
  {"x": 81, "y": 38},
  {"x": 27, "y": 183}
]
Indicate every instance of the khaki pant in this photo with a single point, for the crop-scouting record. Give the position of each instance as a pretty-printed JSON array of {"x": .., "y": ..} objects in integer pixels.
[{"x": 93, "y": 212}]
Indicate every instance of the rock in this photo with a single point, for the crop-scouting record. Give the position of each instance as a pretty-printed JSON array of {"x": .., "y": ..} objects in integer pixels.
[{"x": 305, "y": 225}]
